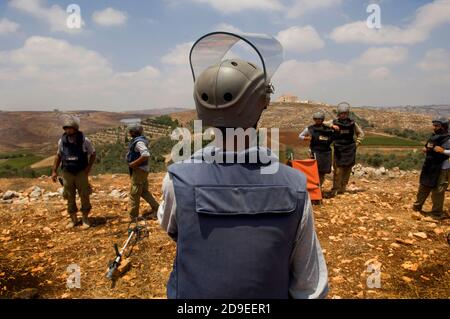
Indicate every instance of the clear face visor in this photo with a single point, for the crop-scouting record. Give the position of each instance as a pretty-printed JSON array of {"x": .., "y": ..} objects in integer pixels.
[{"x": 212, "y": 48}]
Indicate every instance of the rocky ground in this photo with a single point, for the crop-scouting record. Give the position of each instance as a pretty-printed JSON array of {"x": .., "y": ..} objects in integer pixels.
[{"x": 368, "y": 231}]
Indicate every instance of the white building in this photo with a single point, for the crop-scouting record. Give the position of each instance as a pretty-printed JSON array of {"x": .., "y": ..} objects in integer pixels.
[{"x": 288, "y": 98}]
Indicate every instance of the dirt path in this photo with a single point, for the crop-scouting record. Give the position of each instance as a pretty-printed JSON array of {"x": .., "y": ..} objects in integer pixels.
[
  {"x": 47, "y": 162},
  {"x": 372, "y": 225}
]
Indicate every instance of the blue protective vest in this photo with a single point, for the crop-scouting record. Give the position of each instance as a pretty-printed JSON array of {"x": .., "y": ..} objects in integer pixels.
[
  {"x": 132, "y": 155},
  {"x": 73, "y": 158},
  {"x": 236, "y": 230}
]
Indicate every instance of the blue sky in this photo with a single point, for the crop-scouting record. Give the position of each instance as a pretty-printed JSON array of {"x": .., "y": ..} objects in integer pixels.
[{"x": 134, "y": 54}]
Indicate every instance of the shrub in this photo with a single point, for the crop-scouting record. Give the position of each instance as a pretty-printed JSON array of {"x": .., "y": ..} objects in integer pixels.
[{"x": 406, "y": 161}]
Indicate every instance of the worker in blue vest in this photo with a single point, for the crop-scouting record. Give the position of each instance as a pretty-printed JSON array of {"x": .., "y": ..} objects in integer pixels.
[
  {"x": 239, "y": 233},
  {"x": 76, "y": 155},
  {"x": 138, "y": 156}
]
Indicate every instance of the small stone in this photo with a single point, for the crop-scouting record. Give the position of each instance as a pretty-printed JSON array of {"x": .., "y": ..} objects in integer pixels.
[
  {"x": 115, "y": 193},
  {"x": 338, "y": 280},
  {"x": 36, "y": 193},
  {"x": 10, "y": 195},
  {"x": 421, "y": 235},
  {"x": 407, "y": 279},
  {"x": 405, "y": 241},
  {"x": 410, "y": 266}
]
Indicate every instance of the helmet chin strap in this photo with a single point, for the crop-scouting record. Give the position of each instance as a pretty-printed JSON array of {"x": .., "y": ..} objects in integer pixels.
[{"x": 440, "y": 131}]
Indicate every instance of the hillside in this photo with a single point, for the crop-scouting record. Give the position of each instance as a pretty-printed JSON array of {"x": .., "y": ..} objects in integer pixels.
[
  {"x": 39, "y": 131},
  {"x": 432, "y": 110},
  {"x": 31, "y": 139},
  {"x": 297, "y": 116},
  {"x": 373, "y": 224}
]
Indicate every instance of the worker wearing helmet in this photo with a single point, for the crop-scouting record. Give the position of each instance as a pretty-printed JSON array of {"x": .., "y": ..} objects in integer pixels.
[
  {"x": 345, "y": 146},
  {"x": 77, "y": 156},
  {"x": 435, "y": 174},
  {"x": 138, "y": 164},
  {"x": 239, "y": 233},
  {"x": 320, "y": 137}
]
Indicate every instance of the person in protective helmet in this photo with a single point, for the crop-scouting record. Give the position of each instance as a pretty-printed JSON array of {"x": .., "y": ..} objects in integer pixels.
[
  {"x": 137, "y": 159},
  {"x": 77, "y": 156},
  {"x": 239, "y": 233},
  {"x": 345, "y": 146},
  {"x": 435, "y": 174},
  {"x": 320, "y": 137}
]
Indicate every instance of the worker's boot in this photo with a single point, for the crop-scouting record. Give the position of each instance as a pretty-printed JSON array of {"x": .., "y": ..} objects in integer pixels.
[
  {"x": 73, "y": 221},
  {"x": 86, "y": 223},
  {"x": 439, "y": 215}
]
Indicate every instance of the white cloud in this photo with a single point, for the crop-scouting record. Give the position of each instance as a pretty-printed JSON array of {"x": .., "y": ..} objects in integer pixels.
[
  {"x": 227, "y": 28},
  {"x": 308, "y": 74},
  {"x": 432, "y": 15},
  {"x": 427, "y": 18},
  {"x": 232, "y": 6},
  {"x": 289, "y": 8},
  {"x": 48, "y": 72},
  {"x": 300, "y": 39},
  {"x": 379, "y": 73},
  {"x": 302, "y": 7},
  {"x": 110, "y": 17},
  {"x": 436, "y": 60},
  {"x": 383, "y": 56},
  {"x": 55, "y": 60},
  {"x": 179, "y": 55},
  {"x": 359, "y": 32},
  {"x": 8, "y": 26},
  {"x": 54, "y": 16}
]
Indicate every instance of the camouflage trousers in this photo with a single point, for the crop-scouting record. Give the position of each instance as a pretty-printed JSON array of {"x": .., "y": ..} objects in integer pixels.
[
  {"x": 139, "y": 188},
  {"x": 73, "y": 183},
  {"x": 437, "y": 193}
]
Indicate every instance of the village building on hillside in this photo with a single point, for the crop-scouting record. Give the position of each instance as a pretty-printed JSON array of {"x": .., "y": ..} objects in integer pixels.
[{"x": 288, "y": 98}]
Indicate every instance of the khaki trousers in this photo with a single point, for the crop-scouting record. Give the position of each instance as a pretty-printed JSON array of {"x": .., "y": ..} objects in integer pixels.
[
  {"x": 139, "y": 188},
  {"x": 73, "y": 183}
]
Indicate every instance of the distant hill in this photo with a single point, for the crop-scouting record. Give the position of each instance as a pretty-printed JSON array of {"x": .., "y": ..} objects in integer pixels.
[
  {"x": 39, "y": 131},
  {"x": 298, "y": 115},
  {"x": 433, "y": 110},
  {"x": 165, "y": 111}
]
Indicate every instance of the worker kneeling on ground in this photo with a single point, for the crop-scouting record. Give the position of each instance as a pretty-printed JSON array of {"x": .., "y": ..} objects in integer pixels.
[
  {"x": 138, "y": 165},
  {"x": 320, "y": 137},
  {"x": 435, "y": 174},
  {"x": 239, "y": 233}
]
